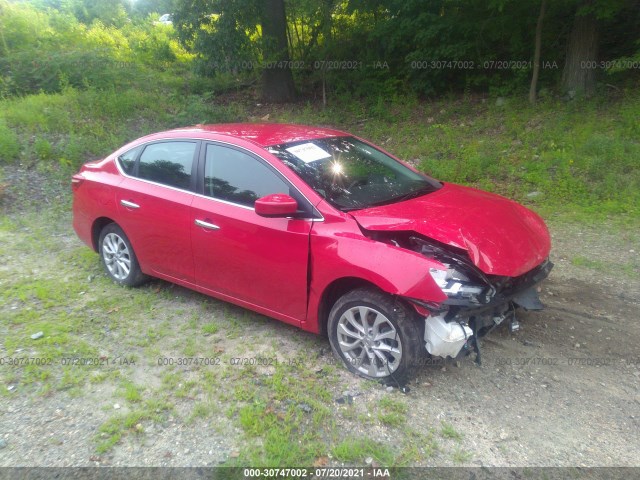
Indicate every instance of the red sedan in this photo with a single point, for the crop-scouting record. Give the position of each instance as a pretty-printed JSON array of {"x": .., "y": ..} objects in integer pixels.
[{"x": 319, "y": 229}]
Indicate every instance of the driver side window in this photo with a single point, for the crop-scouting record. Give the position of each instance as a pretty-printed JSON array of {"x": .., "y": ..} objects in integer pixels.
[{"x": 237, "y": 177}]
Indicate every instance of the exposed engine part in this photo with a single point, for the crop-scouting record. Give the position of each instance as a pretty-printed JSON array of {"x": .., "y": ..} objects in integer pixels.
[
  {"x": 444, "y": 339},
  {"x": 514, "y": 325},
  {"x": 451, "y": 256},
  {"x": 499, "y": 315},
  {"x": 476, "y": 342},
  {"x": 499, "y": 318}
]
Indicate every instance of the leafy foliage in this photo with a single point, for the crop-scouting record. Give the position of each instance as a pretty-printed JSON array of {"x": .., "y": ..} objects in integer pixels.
[
  {"x": 371, "y": 48},
  {"x": 222, "y": 33},
  {"x": 70, "y": 90},
  {"x": 367, "y": 48},
  {"x": 48, "y": 50}
]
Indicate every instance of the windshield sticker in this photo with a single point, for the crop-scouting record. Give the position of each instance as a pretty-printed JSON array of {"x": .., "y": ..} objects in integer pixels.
[{"x": 308, "y": 152}]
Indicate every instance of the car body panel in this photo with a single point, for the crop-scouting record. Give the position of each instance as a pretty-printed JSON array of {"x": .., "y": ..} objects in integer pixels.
[
  {"x": 282, "y": 267},
  {"x": 161, "y": 223},
  {"x": 501, "y": 236},
  {"x": 339, "y": 251},
  {"x": 263, "y": 134},
  {"x": 93, "y": 199},
  {"x": 261, "y": 260}
]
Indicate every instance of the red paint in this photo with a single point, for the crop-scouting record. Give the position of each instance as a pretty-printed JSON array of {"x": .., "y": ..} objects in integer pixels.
[
  {"x": 276, "y": 205},
  {"x": 255, "y": 259},
  {"x": 282, "y": 267},
  {"x": 501, "y": 236}
]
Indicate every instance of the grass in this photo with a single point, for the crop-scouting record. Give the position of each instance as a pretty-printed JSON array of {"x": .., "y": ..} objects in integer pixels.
[
  {"x": 461, "y": 456},
  {"x": 630, "y": 269},
  {"x": 582, "y": 158},
  {"x": 112, "y": 431},
  {"x": 392, "y": 412},
  {"x": 447, "y": 431},
  {"x": 357, "y": 450},
  {"x": 210, "y": 328},
  {"x": 131, "y": 393},
  {"x": 53, "y": 128}
]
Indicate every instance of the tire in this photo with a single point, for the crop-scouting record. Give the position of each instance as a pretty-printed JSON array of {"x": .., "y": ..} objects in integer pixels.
[
  {"x": 118, "y": 258},
  {"x": 388, "y": 349}
]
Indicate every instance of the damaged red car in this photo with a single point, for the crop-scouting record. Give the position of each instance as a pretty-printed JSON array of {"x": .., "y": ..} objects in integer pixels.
[{"x": 320, "y": 229}]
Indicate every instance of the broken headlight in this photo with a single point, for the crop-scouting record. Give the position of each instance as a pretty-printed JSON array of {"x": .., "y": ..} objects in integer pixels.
[
  {"x": 457, "y": 285},
  {"x": 462, "y": 282}
]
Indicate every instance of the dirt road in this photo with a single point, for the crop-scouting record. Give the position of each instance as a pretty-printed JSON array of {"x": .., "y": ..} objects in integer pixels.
[{"x": 562, "y": 391}]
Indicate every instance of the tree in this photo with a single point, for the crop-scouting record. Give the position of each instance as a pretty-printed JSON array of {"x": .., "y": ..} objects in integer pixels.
[
  {"x": 582, "y": 51},
  {"x": 583, "y": 45},
  {"x": 536, "y": 55},
  {"x": 277, "y": 79},
  {"x": 235, "y": 35}
]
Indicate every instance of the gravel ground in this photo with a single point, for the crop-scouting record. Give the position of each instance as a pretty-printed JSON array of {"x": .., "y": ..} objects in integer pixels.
[{"x": 562, "y": 391}]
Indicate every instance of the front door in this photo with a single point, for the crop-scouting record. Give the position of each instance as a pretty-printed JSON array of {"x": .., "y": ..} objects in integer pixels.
[{"x": 259, "y": 261}]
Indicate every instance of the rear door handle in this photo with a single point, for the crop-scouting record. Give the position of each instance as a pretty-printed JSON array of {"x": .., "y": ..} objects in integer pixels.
[
  {"x": 127, "y": 204},
  {"x": 207, "y": 225}
]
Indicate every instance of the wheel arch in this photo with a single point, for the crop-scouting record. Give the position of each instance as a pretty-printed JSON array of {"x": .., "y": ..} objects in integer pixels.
[
  {"x": 338, "y": 288},
  {"x": 96, "y": 228},
  {"x": 399, "y": 316}
]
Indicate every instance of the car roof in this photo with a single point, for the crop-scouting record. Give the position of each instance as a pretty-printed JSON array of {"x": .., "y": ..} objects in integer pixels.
[{"x": 264, "y": 134}]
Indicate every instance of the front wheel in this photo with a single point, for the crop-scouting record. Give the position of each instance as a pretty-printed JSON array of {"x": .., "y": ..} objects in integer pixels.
[
  {"x": 376, "y": 336},
  {"x": 118, "y": 257}
]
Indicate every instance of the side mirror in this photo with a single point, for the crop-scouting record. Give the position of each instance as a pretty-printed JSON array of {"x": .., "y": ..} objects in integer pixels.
[{"x": 276, "y": 205}]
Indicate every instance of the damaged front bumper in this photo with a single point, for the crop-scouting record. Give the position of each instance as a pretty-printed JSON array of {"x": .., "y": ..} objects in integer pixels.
[{"x": 453, "y": 327}]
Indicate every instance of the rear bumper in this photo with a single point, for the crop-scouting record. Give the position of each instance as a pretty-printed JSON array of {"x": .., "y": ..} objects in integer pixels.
[{"x": 82, "y": 225}]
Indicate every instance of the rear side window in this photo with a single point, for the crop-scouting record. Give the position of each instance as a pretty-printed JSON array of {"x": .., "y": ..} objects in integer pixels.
[
  {"x": 236, "y": 177},
  {"x": 169, "y": 163},
  {"x": 128, "y": 160}
]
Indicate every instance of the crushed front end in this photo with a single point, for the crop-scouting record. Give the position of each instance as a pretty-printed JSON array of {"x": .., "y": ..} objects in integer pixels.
[{"x": 476, "y": 303}]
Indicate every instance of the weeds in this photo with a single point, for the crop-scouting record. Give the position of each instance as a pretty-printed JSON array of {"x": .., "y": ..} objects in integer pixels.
[
  {"x": 357, "y": 450},
  {"x": 393, "y": 412},
  {"x": 447, "y": 431}
]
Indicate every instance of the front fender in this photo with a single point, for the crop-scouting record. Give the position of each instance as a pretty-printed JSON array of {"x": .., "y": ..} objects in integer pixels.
[{"x": 340, "y": 250}]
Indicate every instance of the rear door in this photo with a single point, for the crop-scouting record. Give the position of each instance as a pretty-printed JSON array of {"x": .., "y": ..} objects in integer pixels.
[
  {"x": 258, "y": 261},
  {"x": 154, "y": 204}
]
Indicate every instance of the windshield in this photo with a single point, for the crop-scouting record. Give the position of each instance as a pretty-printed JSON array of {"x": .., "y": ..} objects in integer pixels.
[{"x": 351, "y": 174}]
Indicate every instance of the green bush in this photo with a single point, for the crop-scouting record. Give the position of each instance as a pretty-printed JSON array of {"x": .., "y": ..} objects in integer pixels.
[
  {"x": 43, "y": 149},
  {"x": 47, "y": 51},
  {"x": 9, "y": 143}
]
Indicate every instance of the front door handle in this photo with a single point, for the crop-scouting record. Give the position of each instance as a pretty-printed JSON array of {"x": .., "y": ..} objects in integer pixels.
[
  {"x": 207, "y": 225},
  {"x": 127, "y": 204}
]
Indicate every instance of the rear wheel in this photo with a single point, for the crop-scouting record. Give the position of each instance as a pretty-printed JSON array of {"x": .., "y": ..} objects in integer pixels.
[
  {"x": 375, "y": 335},
  {"x": 118, "y": 257}
]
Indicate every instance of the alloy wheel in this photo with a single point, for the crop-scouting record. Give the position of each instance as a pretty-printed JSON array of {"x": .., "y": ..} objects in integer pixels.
[
  {"x": 117, "y": 257},
  {"x": 369, "y": 341}
]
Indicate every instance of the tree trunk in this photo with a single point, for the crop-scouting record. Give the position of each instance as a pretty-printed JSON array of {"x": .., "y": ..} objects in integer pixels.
[
  {"x": 327, "y": 39},
  {"x": 277, "y": 80},
  {"x": 578, "y": 76},
  {"x": 536, "y": 55}
]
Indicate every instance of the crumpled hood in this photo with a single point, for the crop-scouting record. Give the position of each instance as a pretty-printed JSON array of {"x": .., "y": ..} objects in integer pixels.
[{"x": 501, "y": 236}]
